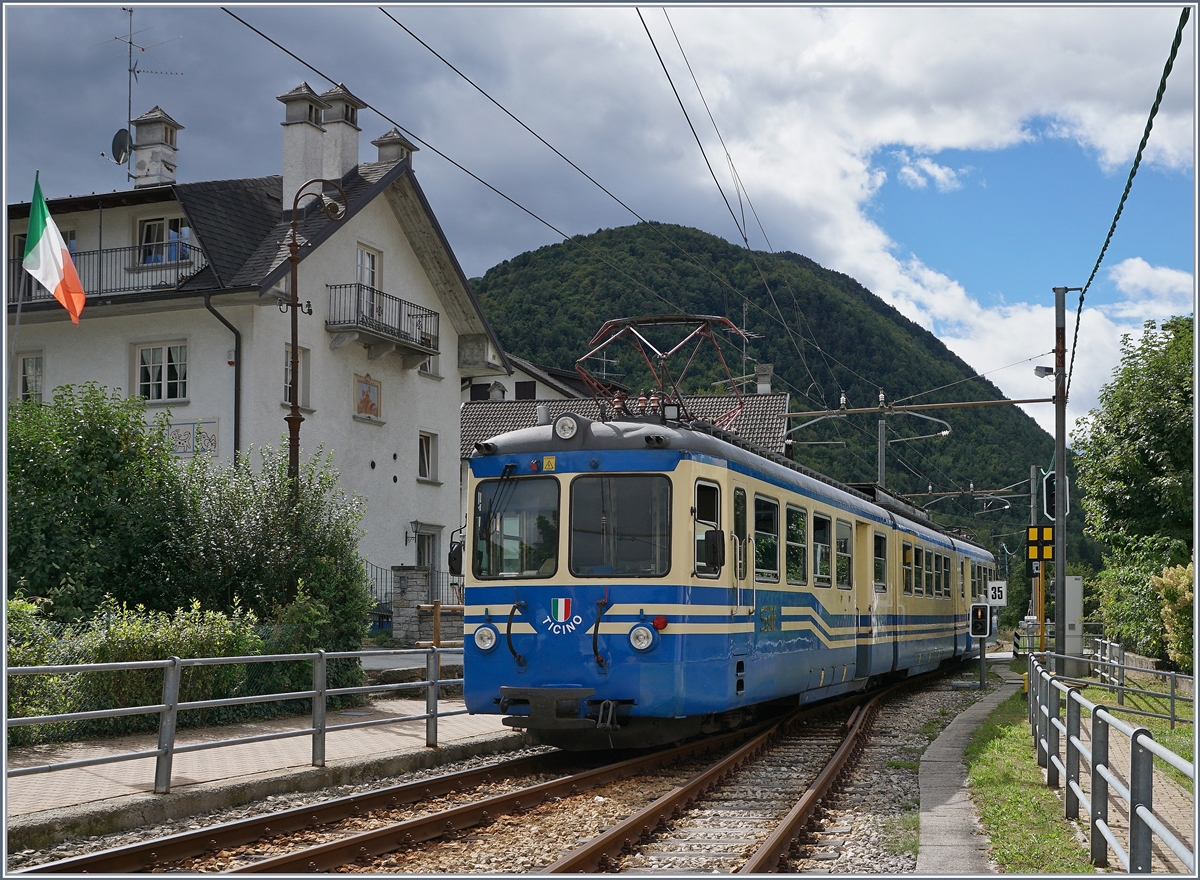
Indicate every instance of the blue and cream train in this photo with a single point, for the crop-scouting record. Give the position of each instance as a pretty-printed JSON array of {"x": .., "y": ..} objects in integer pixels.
[{"x": 633, "y": 582}]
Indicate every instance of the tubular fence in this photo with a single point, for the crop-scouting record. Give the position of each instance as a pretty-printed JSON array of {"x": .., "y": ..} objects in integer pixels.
[
  {"x": 169, "y": 708},
  {"x": 357, "y": 305},
  {"x": 1047, "y": 695},
  {"x": 445, "y": 588},
  {"x": 381, "y": 591}
]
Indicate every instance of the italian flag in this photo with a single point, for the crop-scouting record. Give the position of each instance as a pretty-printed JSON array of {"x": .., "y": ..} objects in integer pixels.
[{"x": 47, "y": 258}]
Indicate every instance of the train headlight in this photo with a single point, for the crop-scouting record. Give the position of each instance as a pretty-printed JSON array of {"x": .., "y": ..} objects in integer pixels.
[
  {"x": 641, "y": 637},
  {"x": 565, "y": 427},
  {"x": 485, "y": 638}
]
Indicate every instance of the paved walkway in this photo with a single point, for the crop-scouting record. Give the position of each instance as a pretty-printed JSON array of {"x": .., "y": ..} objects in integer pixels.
[
  {"x": 952, "y": 841},
  {"x": 44, "y": 808}
]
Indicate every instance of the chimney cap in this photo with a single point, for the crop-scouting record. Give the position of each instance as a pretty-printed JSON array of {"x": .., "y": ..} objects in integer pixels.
[
  {"x": 394, "y": 137},
  {"x": 303, "y": 92},
  {"x": 341, "y": 93},
  {"x": 156, "y": 114}
]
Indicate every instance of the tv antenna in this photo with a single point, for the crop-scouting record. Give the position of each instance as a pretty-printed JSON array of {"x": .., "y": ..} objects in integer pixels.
[{"x": 122, "y": 142}]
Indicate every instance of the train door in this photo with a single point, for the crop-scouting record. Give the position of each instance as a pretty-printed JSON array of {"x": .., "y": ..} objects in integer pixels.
[
  {"x": 864, "y": 600},
  {"x": 742, "y": 572}
]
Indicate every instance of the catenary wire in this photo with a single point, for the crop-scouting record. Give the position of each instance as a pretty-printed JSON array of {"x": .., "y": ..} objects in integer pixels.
[
  {"x": 1137, "y": 159},
  {"x": 460, "y": 167},
  {"x": 969, "y": 378}
]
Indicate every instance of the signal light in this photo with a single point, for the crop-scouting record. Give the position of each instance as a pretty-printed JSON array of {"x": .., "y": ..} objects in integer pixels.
[
  {"x": 981, "y": 620},
  {"x": 659, "y": 622}
]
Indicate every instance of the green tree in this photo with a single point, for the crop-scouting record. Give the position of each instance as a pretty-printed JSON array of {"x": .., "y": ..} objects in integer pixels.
[
  {"x": 94, "y": 505},
  {"x": 1135, "y": 451}
]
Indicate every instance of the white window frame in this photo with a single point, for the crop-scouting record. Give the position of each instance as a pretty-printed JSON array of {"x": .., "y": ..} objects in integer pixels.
[
  {"x": 429, "y": 367},
  {"x": 427, "y": 457},
  {"x": 168, "y": 348},
  {"x": 368, "y": 272},
  {"x": 287, "y": 375},
  {"x": 24, "y": 391},
  {"x": 167, "y": 249}
]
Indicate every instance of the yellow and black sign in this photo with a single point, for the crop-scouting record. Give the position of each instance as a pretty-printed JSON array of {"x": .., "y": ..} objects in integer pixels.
[{"x": 1039, "y": 546}]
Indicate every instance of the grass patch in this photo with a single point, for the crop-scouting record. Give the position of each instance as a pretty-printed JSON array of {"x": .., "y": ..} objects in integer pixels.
[
  {"x": 902, "y": 834},
  {"x": 894, "y": 764},
  {"x": 1021, "y": 815}
]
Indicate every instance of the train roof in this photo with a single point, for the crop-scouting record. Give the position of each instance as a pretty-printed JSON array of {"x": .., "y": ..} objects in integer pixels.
[{"x": 653, "y": 432}]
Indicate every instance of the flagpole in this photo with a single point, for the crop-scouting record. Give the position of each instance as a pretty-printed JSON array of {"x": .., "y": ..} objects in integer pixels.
[{"x": 12, "y": 369}]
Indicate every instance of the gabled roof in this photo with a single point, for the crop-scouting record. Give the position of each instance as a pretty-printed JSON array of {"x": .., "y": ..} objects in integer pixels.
[
  {"x": 543, "y": 375},
  {"x": 230, "y": 217},
  {"x": 760, "y": 423}
]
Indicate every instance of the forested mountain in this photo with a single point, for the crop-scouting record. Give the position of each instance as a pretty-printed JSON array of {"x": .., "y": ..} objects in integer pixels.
[{"x": 824, "y": 333}]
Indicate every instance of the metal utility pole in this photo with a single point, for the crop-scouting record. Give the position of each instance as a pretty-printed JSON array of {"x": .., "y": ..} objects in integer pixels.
[
  {"x": 882, "y": 446},
  {"x": 1060, "y": 473},
  {"x": 1038, "y": 580},
  {"x": 334, "y": 212}
]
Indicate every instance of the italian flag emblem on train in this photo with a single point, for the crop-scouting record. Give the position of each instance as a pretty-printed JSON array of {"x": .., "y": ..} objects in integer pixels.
[{"x": 560, "y": 610}]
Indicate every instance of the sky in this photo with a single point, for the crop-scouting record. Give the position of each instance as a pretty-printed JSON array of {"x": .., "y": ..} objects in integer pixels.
[{"x": 958, "y": 161}]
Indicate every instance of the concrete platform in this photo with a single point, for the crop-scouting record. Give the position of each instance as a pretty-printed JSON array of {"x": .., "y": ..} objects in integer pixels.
[{"x": 46, "y": 808}]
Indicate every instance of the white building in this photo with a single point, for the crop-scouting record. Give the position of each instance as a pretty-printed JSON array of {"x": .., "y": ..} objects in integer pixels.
[{"x": 184, "y": 282}]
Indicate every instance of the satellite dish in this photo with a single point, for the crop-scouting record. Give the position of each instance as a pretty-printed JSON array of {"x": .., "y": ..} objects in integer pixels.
[{"x": 122, "y": 145}]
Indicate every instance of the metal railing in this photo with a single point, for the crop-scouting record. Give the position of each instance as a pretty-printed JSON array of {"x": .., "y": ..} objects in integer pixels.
[
  {"x": 445, "y": 587},
  {"x": 1047, "y": 693},
  {"x": 360, "y": 306},
  {"x": 170, "y": 707},
  {"x": 161, "y": 266},
  {"x": 1107, "y": 663}
]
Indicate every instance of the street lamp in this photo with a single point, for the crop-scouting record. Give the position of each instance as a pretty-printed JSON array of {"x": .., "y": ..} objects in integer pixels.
[{"x": 335, "y": 212}]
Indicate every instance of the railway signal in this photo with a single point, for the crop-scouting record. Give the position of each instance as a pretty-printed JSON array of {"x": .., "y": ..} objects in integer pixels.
[
  {"x": 981, "y": 620},
  {"x": 1048, "y": 494}
]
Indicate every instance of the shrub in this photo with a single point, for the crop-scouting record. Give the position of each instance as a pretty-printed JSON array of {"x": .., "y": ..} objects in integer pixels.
[
  {"x": 1175, "y": 586},
  {"x": 93, "y": 502}
]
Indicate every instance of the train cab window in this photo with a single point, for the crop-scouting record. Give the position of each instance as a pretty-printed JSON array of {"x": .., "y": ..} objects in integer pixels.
[
  {"x": 880, "y": 573},
  {"x": 937, "y": 575},
  {"x": 907, "y": 563},
  {"x": 707, "y": 518},
  {"x": 929, "y": 573},
  {"x": 516, "y": 528},
  {"x": 766, "y": 539},
  {"x": 739, "y": 530},
  {"x": 919, "y": 571},
  {"x": 948, "y": 590},
  {"x": 621, "y": 526},
  {"x": 822, "y": 530},
  {"x": 845, "y": 567},
  {"x": 796, "y": 552}
]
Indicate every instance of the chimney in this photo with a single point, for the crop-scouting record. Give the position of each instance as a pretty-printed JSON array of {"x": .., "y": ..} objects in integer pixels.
[
  {"x": 154, "y": 149},
  {"x": 341, "y": 132},
  {"x": 303, "y": 140},
  {"x": 762, "y": 375},
  {"x": 394, "y": 147}
]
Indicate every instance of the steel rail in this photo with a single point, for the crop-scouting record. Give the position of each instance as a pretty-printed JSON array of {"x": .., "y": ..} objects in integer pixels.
[
  {"x": 600, "y": 853},
  {"x": 772, "y": 855},
  {"x": 327, "y": 856},
  {"x": 138, "y": 856}
]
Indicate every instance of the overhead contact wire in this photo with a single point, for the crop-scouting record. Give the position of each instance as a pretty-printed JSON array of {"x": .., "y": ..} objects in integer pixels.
[
  {"x": 460, "y": 167},
  {"x": 1137, "y": 160}
]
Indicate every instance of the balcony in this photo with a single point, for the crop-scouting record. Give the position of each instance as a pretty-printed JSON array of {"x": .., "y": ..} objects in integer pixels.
[
  {"x": 143, "y": 269},
  {"x": 384, "y": 323}
]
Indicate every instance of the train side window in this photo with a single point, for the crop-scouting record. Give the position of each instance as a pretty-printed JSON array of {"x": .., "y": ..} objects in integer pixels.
[
  {"x": 974, "y": 583},
  {"x": 937, "y": 575},
  {"x": 907, "y": 562},
  {"x": 880, "y": 563},
  {"x": 766, "y": 539},
  {"x": 739, "y": 530},
  {"x": 707, "y": 518},
  {"x": 822, "y": 530},
  {"x": 929, "y": 573},
  {"x": 845, "y": 568},
  {"x": 797, "y": 546},
  {"x": 919, "y": 570},
  {"x": 949, "y": 590}
]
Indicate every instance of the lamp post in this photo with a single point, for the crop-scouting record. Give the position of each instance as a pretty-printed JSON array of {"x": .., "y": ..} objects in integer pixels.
[{"x": 335, "y": 212}]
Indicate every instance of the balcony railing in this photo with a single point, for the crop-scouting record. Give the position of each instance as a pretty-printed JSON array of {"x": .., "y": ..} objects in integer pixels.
[
  {"x": 141, "y": 269},
  {"x": 359, "y": 307}
]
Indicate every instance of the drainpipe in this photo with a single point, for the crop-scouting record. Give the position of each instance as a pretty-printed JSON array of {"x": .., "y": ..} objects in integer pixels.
[{"x": 237, "y": 375}]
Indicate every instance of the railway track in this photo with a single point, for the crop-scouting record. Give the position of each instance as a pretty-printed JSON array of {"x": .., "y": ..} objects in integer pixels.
[{"x": 672, "y": 811}]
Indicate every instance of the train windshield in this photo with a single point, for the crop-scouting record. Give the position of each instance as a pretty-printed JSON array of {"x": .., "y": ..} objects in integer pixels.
[
  {"x": 621, "y": 526},
  {"x": 516, "y": 528}
]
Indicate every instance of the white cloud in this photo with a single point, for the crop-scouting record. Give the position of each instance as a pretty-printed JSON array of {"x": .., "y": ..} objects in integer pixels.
[{"x": 1155, "y": 292}]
